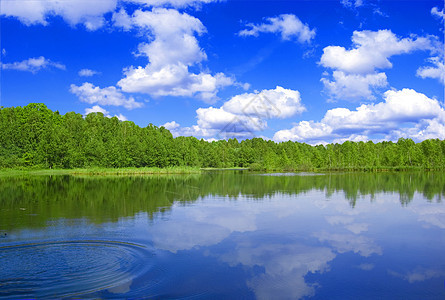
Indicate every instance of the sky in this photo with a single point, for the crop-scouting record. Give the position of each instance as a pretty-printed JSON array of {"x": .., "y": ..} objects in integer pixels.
[{"x": 308, "y": 71}]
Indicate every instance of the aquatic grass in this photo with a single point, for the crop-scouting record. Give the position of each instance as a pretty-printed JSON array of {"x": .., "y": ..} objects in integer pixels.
[{"x": 101, "y": 171}]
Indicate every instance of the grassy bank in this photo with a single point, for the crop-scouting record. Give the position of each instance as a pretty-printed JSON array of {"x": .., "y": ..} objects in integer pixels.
[
  {"x": 190, "y": 170},
  {"x": 259, "y": 168},
  {"x": 225, "y": 169},
  {"x": 101, "y": 171}
]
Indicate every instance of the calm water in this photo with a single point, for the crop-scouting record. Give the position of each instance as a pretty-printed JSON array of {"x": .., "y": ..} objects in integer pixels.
[{"x": 224, "y": 235}]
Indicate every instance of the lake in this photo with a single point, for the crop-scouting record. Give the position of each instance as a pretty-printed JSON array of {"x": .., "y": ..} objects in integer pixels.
[{"x": 224, "y": 235}]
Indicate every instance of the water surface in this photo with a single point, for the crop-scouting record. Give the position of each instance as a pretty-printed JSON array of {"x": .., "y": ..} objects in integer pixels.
[{"x": 224, "y": 235}]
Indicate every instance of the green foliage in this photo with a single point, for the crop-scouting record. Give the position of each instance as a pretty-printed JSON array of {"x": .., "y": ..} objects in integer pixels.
[{"x": 33, "y": 136}]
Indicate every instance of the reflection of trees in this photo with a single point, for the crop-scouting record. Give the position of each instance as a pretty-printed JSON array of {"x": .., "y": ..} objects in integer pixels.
[{"x": 30, "y": 201}]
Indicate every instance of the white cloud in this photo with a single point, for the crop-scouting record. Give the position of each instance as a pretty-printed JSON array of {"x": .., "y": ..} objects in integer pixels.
[
  {"x": 351, "y": 3},
  {"x": 121, "y": 117},
  {"x": 97, "y": 108},
  {"x": 172, "y": 49},
  {"x": 173, "y": 3},
  {"x": 406, "y": 106},
  {"x": 371, "y": 50},
  {"x": 351, "y": 138},
  {"x": 89, "y": 13},
  {"x": 355, "y": 75},
  {"x": 425, "y": 129},
  {"x": 277, "y": 103},
  {"x": 437, "y": 71},
  {"x": 438, "y": 13},
  {"x": 87, "y": 73},
  {"x": 353, "y": 87},
  {"x": 244, "y": 114},
  {"x": 171, "y": 125},
  {"x": 289, "y": 26},
  {"x": 226, "y": 122},
  {"x": 173, "y": 80},
  {"x": 305, "y": 131},
  {"x": 170, "y": 29},
  {"x": 89, "y": 93},
  {"x": 400, "y": 106},
  {"x": 122, "y": 20},
  {"x": 33, "y": 65}
]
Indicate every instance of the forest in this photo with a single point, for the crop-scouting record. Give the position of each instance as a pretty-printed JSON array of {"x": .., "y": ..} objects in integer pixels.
[{"x": 33, "y": 136}]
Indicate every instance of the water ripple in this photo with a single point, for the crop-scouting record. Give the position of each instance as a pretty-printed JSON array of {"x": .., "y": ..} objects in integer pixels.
[{"x": 65, "y": 269}]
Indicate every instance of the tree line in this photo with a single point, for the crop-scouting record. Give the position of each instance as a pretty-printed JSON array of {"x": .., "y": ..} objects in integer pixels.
[{"x": 35, "y": 136}]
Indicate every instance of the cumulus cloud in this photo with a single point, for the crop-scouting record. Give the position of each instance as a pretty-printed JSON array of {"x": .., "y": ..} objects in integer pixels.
[
  {"x": 87, "y": 73},
  {"x": 244, "y": 114},
  {"x": 371, "y": 50},
  {"x": 287, "y": 25},
  {"x": 353, "y": 86},
  {"x": 171, "y": 125},
  {"x": 277, "y": 103},
  {"x": 97, "y": 108},
  {"x": 33, "y": 65},
  {"x": 89, "y": 13},
  {"x": 438, "y": 13},
  {"x": 173, "y": 80},
  {"x": 436, "y": 71},
  {"x": 218, "y": 119},
  {"x": 355, "y": 73},
  {"x": 89, "y": 93},
  {"x": 172, "y": 49},
  {"x": 122, "y": 20},
  {"x": 400, "y": 107}
]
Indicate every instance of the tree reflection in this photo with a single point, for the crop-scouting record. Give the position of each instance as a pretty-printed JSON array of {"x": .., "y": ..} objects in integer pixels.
[{"x": 31, "y": 201}]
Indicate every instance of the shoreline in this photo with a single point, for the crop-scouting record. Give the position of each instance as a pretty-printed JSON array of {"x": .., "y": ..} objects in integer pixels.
[
  {"x": 193, "y": 170},
  {"x": 102, "y": 171}
]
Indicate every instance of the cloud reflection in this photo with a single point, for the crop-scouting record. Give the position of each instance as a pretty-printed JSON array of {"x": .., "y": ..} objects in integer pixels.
[
  {"x": 418, "y": 275},
  {"x": 343, "y": 243},
  {"x": 284, "y": 267}
]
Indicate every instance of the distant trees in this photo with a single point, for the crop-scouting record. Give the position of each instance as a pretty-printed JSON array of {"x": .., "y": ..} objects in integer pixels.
[{"x": 35, "y": 136}]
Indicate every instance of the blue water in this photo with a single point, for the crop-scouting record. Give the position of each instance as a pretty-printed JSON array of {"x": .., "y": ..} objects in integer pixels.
[{"x": 280, "y": 244}]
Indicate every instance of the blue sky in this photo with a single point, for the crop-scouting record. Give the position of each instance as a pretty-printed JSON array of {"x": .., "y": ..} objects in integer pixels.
[{"x": 307, "y": 71}]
